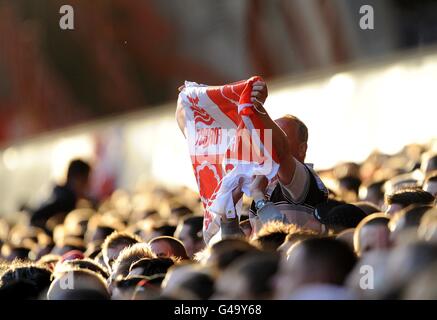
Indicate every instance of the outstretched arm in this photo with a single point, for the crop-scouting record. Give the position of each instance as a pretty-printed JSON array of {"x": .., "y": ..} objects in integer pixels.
[{"x": 287, "y": 163}]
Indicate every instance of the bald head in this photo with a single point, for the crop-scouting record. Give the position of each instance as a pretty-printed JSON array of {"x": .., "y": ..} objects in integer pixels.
[{"x": 297, "y": 134}]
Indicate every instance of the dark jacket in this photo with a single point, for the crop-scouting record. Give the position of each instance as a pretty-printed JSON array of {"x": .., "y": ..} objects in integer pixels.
[{"x": 63, "y": 200}]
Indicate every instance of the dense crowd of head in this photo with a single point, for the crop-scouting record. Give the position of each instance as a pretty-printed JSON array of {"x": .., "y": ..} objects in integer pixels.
[{"x": 379, "y": 242}]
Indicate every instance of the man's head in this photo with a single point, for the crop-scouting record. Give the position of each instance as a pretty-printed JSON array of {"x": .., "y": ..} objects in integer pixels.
[
  {"x": 404, "y": 224},
  {"x": 85, "y": 263},
  {"x": 273, "y": 234},
  {"x": 372, "y": 233},
  {"x": 297, "y": 134},
  {"x": 165, "y": 246},
  {"x": 405, "y": 197},
  {"x": 196, "y": 285},
  {"x": 373, "y": 193},
  {"x": 226, "y": 251},
  {"x": 189, "y": 231},
  {"x": 115, "y": 243},
  {"x": 249, "y": 277},
  {"x": 78, "y": 284},
  {"x": 150, "y": 267},
  {"x": 317, "y": 260},
  {"x": 38, "y": 276},
  {"x": 126, "y": 258},
  {"x": 343, "y": 217},
  {"x": 406, "y": 262},
  {"x": 78, "y": 176}
]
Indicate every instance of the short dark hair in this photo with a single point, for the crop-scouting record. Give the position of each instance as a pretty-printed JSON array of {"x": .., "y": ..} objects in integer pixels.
[
  {"x": 272, "y": 235},
  {"x": 129, "y": 255},
  {"x": 39, "y": 276},
  {"x": 201, "y": 284},
  {"x": 344, "y": 217},
  {"x": 152, "y": 266},
  {"x": 335, "y": 257},
  {"x": 165, "y": 229},
  {"x": 409, "y": 196},
  {"x": 19, "y": 290},
  {"x": 258, "y": 270},
  {"x": 228, "y": 250},
  {"x": 350, "y": 183},
  {"x": 367, "y": 207},
  {"x": 78, "y": 168},
  {"x": 410, "y": 216},
  {"x": 196, "y": 226},
  {"x": 88, "y": 264},
  {"x": 116, "y": 239},
  {"x": 322, "y": 209}
]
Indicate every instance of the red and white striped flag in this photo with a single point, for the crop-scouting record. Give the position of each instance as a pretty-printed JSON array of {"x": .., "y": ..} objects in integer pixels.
[{"x": 228, "y": 145}]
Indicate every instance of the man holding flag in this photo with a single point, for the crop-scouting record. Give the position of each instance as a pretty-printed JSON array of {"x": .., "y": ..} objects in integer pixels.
[{"x": 274, "y": 174}]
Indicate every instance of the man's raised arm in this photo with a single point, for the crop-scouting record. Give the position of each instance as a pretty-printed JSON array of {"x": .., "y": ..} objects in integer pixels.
[{"x": 287, "y": 163}]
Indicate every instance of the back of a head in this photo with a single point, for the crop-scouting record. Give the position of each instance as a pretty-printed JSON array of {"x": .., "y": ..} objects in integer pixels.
[
  {"x": 367, "y": 207},
  {"x": 195, "y": 224},
  {"x": 87, "y": 264},
  {"x": 199, "y": 284},
  {"x": 373, "y": 192},
  {"x": 117, "y": 241},
  {"x": 39, "y": 276},
  {"x": 322, "y": 209},
  {"x": 374, "y": 219},
  {"x": 224, "y": 252},
  {"x": 350, "y": 183},
  {"x": 164, "y": 230},
  {"x": 422, "y": 286},
  {"x": 409, "y": 196},
  {"x": 343, "y": 217},
  {"x": 258, "y": 270},
  {"x": 330, "y": 259},
  {"x": 408, "y": 218},
  {"x": 272, "y": 235},
  {"x": 150, "y": 267},
  {"x": 130, "y": 255},
  {"x": 414, "y": 258},
  {"x": 78, "y": 284},
  {"x": 19, "y": 290}
]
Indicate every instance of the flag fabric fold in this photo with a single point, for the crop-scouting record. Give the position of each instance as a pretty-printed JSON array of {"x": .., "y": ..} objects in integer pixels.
[{"x": 228, "y": 145}]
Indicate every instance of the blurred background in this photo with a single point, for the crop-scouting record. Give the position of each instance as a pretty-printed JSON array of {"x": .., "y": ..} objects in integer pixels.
[{"x": 106, "y": 91}]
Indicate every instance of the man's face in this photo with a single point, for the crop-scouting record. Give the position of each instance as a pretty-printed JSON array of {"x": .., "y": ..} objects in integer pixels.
[
  {"x": 162, "y": 249},
  {"x": 297, "y": 148},
  {"x": 374, "y": 237}
]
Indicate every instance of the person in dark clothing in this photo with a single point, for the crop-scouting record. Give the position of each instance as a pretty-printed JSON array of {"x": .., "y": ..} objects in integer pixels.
[{"x": 64, "y": 197}]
